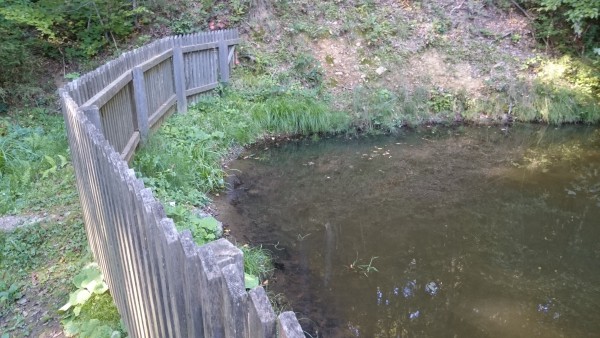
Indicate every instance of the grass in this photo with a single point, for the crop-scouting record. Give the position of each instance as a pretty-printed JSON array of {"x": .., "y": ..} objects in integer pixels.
[
  {"x": 38, "y": 260},
  {"x": 34, "y": 163},
  {"x": 257, "y": 262}
]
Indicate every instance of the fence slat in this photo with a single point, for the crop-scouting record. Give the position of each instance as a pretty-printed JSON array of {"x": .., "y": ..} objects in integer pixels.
[
  {"x": 223, "y": 57},
  {"x": 141, "y": 102},
  {"x": 288, "y": 326},
  {"x": 178, "y": 75},
  {"x": 211, "y": 282},
  {"x": 235, "y": 300},
  {"x": 261, "y": 318}
]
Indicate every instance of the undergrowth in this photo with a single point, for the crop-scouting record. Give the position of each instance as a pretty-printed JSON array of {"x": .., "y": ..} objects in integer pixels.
[
  {"x": 258, "y": 265},
  {"x": 38, "y": 260},
  {"x": 34, "y": 163}
]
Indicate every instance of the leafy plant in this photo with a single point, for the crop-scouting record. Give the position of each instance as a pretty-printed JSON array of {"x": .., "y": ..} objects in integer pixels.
[
  {"x": 577, "y": 12},
  {"x": 203, "y": 230},
  {"x": 309, "y": 69},
  {"x": 89, "y": 301},
  {"x": 33, "y": 156},
  {"x": 9, "y": 293},
  {"x": 258, "y": 265},
  {"x": 88, "y": 282}
]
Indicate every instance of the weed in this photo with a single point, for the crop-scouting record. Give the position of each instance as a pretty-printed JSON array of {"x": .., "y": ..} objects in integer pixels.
[
  {"x": 90, "y": 311},
  {"x": 363, "y": 269},
  {"x": 279, "y": 302},
  {"x": 257, "y": 261},
  {"x": 203, "y": 229},
  {"x": 298, "y": 114},
  {"x": 34, "y": 162},
  {"x": 309, "y": 69},
  {"x": 385, "y": 110},
  {"x": 8, "y": 293}
]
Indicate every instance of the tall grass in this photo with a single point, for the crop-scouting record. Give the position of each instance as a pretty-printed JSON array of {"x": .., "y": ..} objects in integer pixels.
[
  {"x": 257, "y": 261},
  {"x": 295, "y": 113},
  {"x": 539, "y": 102}
]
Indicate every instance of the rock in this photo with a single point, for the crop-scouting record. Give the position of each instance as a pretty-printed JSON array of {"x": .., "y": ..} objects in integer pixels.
[
  {"x": 380, "y": 70},
  {"x": 9, "y": 223}
]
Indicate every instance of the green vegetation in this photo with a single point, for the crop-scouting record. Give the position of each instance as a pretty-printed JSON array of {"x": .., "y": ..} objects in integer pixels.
[
  {"x": 363, "y": 269},
  {"x": 258, "y": 265},
  {"x": 34, "y": 163},
  {"x": 38, "y": 260},
  {"x": 287, "y": 83},
  {"x": 90, "y": 309}
]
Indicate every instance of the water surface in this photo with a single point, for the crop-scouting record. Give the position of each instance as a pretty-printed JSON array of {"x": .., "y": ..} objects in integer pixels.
[{"x": 469, "y": 232}]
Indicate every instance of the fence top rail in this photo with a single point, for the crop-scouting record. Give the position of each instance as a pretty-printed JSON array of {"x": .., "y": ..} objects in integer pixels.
[{"x": 88, "y": 85}]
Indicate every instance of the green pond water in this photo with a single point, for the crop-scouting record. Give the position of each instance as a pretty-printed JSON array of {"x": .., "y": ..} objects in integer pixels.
[{"x": 469, "y": 232}]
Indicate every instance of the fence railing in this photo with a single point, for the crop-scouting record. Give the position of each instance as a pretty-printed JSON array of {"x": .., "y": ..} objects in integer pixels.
[{"x": 163, "y": 284}]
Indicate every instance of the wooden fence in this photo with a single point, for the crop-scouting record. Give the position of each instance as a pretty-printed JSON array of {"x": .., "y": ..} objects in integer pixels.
[{"x": 163, "y": 284}]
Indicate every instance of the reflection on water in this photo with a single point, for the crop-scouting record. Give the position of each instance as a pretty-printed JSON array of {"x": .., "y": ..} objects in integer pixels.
[{"x": 442, "y": 232}]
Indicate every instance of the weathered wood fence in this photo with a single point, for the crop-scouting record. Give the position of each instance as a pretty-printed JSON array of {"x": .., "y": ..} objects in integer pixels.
[{"x": 163, "y": 284}]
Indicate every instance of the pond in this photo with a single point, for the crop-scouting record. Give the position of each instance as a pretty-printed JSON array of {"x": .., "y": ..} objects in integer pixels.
[{"x": 466, "y": 232}]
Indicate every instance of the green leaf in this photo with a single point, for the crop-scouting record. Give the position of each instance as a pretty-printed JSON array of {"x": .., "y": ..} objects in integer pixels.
[
  {"x": 251, "y": 281},
  {"x": 100, "y": 288},
  {"x": 70, "y": 328},
  {"x": 63, "y": 161},
  {"x": 87, "y": 276},
  {"x": 79, "y": 297},
  {"x": 209, "y": 223},
  {"x": 218, "y": 134},
  {"x": 77, "y": 310},
  {"x": 50, "y": 160}
]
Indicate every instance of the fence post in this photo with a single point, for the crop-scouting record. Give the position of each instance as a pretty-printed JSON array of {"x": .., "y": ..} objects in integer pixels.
[
  {"x": 179, "y": 76},
  {"x": 93, "y": 115},
  {"x": 223, "y": 57},
  {"x": 141, "y": 103}
]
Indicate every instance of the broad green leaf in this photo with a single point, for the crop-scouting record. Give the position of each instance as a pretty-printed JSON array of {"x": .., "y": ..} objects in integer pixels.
[
  {"x": 250, "y": 281},
  {"x": 218, "y": 134},
  {"x": 86, "y": 276},
  {"x": 77, "y": 310},
  {"x": 209, "y": 223},
  {"x": 100, "y": 288},
  {"x": 70, "y": 328},
  {"x": 79, "y": 297},
  {"x": 50, "y": 160}
]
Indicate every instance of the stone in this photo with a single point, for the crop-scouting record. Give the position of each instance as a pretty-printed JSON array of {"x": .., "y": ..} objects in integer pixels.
[{"x": 9, "y": 223}]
